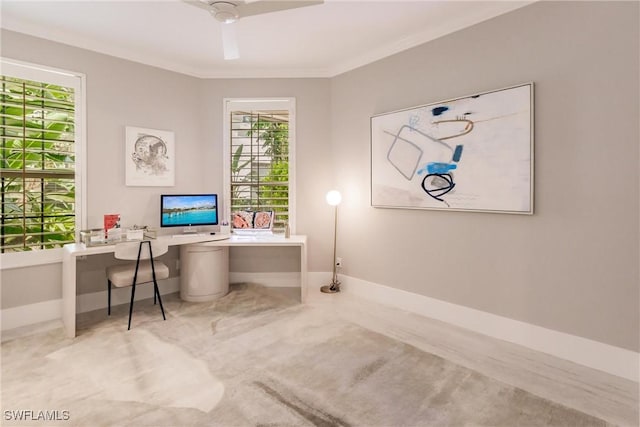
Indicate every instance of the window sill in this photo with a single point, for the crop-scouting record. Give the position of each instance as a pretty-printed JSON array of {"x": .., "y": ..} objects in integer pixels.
[{"x": 30, "y": 259}]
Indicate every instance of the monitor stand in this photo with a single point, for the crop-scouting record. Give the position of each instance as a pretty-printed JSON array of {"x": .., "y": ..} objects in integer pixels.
[{"x": 190, "y": 230}]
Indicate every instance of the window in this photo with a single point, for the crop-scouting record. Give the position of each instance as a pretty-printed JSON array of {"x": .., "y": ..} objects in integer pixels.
[
  {"x": 259, "y": 158},
  {"x": 41, "y": 148}
]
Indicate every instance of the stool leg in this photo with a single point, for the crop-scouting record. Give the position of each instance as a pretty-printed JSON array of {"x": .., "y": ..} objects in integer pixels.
[
  {"x": 108, "y": 297},
  {"x": 133, "y": 292},
  {"x": 157, "y": 292}
]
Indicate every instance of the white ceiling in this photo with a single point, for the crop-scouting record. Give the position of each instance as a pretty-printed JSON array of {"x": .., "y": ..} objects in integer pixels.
[{"x": 315, "y": 41}]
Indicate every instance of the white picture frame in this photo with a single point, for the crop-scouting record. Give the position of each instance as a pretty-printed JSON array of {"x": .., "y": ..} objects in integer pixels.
[
  {"x": 149, "y": 157},
  {"x": 473, "y": 153}
]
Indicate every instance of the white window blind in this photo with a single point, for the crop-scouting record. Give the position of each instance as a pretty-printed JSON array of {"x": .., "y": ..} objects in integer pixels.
[
  {"x": 260, "y": 161},
  {"x": 37, "y": 164}
]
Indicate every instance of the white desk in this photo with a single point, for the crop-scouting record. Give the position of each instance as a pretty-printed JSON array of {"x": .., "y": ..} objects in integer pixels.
[{"x": 72, "y": 251}]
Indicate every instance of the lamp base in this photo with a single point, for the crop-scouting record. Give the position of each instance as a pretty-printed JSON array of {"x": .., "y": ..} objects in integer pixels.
[{"x": 331, "y": 289}]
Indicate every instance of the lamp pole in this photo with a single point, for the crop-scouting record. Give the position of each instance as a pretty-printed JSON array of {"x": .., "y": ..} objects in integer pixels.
[
  {"x": 333, "y": 198},
  {"x": 335, "y": 282}
]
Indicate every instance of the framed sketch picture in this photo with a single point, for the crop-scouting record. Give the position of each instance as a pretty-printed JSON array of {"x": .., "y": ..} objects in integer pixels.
[
  {"x": 149, "y": 157},
  {"x": 473, "y": 153}
]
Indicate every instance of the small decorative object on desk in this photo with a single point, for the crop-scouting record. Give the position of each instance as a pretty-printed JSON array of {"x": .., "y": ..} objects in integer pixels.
[
  {"x": 112, "y": 221},
  {"x": 242, "y": 219},
  {"x": 150, "y": 233},
  {"x": 225, "y": 228},
  {"x": 114, "y": 235},
  {"x": 135, "y": 233},
  {"x": 92, "y": 237},
  {"x": 263, "y": 220},
  {"x": 252, "y": 223}
]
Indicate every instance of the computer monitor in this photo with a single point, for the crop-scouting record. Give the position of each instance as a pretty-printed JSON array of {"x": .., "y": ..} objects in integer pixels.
[{"x": 188, "y": 211}]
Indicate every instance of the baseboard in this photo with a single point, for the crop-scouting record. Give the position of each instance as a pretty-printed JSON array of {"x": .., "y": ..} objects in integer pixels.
[
  {"x": 45, "y": 311},
  {"x": 604, "y": 357},
  {"x": 98, "y": 300},
  {"x": 30, "y": 314},
  {"x": 271, "y": 280}
]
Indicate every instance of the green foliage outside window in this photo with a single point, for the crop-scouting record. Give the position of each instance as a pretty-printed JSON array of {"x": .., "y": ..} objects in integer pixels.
[{"x": 37, "y": 165}]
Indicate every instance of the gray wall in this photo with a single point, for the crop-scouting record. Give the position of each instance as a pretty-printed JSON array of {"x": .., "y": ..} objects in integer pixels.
[{"x": 573, "y": 266}]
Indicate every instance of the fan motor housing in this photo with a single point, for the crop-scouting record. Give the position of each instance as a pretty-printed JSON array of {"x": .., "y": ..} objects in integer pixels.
[{"x": 224, "y": 11}]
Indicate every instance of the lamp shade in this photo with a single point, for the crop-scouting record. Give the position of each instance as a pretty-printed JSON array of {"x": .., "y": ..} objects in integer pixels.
[{"x": 334, "y": 197}]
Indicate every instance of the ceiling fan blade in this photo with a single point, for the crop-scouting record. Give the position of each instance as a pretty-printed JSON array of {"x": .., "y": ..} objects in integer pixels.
[
  {"x": 229, "y": 41},
  {"x": 266, "y": 6},
  {"x": 200, "y": 4}
]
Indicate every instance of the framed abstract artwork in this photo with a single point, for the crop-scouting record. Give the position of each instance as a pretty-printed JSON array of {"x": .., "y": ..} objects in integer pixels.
[
  {"x": 473, "y": 153},
  {"x": 149, "y": 157}
]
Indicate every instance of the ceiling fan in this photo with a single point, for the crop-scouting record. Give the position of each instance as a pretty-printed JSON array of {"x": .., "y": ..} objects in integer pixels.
[{"x": 230, "y": 11}]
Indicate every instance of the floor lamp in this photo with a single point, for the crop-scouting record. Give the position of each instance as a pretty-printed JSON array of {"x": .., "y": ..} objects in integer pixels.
[{"x": 333, "y": 198}]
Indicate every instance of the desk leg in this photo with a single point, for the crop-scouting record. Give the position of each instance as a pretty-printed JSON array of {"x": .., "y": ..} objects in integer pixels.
[
  {"x": 303, "y": 273},
  {"x": 69, "y": 294}
]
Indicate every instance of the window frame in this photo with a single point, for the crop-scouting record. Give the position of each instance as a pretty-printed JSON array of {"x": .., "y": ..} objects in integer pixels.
[
  {"x": 280, "y": 103},
  {"x": 56, "y": 76}
]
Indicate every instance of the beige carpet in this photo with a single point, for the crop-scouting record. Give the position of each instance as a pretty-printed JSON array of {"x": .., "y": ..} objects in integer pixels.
[{"x": 254, "y": 358}]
